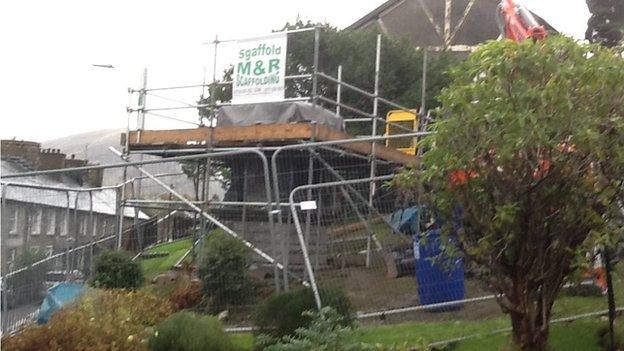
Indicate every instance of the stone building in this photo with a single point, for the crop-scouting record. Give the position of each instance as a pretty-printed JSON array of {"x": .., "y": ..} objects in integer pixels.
[{"x": 38, "y": 214}]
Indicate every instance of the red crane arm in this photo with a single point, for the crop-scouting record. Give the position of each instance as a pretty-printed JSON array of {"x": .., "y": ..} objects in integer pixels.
[{"x": 517, "y": 23}]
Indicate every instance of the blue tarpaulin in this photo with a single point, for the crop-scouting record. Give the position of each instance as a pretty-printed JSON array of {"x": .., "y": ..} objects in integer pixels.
[
  {"x": 57, "y": 297},
  {"x": 406, "y": 220}
]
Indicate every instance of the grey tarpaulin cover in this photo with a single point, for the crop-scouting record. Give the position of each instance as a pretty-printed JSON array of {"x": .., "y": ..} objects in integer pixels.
[{"x": 277, "y": 113}]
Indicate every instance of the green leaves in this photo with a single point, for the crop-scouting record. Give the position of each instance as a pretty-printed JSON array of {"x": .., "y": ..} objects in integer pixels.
[
  {"x": 537, "y": 128},
  {"x": 224, "y": 272}
]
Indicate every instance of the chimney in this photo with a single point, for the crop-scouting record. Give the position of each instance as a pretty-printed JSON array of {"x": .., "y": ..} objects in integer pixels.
[
  {"x": 95, "y": 177},
  {"x": 28, "y": 151},
  {"x": 52, "y": 159}
]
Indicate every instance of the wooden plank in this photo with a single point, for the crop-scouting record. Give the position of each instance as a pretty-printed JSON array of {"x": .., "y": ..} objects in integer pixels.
[
  {"x": 262, "y": 132},
  {"x": 169, "y": 136},
  {"x": 365, "y": 147},
  {"x": 354, "y": 228},
  {"x": 221, "y": 135},
  {"x": 252, "y": 135}
]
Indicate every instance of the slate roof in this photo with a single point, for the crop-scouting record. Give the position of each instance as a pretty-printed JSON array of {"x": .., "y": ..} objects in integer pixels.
[
  {"x": 104, "y": 201},
  {"x": 408, "y": 19}
]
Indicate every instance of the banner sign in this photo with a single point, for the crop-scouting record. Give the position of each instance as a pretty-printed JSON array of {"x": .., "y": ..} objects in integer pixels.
[{"x": 259, "y": 69}]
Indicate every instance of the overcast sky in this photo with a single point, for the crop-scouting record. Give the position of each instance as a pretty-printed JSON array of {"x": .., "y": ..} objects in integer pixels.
[{"x": 49, "y": 88}]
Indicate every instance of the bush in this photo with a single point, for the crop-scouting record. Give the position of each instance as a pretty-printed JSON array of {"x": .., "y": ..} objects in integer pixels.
[
  {"x": 224, "y": 272},
  {"x": 101, "y": 320},
  {"x": 29, "y": 285},
  {"x": 116, "y": 270},
  {"x": 282, "y": 314},
  {"x": 327, "y": 331},
  {"x": 186, "y": 331}
]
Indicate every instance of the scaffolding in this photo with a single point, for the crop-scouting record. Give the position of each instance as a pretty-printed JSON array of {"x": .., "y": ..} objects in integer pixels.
[{"x": 264, "y": 164}]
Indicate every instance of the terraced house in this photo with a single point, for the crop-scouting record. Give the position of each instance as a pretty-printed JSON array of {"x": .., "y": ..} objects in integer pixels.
[{"x": 51, "y": 213}]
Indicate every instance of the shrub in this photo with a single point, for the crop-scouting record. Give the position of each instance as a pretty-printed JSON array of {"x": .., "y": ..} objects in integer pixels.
[
  {"x": 101, "y": 320},
  {"x": 224, "y": 272},
  {"x": 29, "y": 285},
  {"x": 187, "y": 295},
  {"x": 116, "y": 270},
  {"x": 186, "y": 331},
  {"x": 282, "y": 314},
  {"x": 327, "y": 331}
]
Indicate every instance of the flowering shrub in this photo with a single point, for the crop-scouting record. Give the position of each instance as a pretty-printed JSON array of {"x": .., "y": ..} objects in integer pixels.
[{"x": 101, "y": 320}]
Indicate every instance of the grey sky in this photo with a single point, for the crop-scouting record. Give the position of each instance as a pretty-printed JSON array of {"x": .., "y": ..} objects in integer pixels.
[{"x": 49, "y": 89}]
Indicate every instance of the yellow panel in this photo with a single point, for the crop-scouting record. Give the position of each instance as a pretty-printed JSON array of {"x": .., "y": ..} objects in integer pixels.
[{"x": 398, "y": 122}]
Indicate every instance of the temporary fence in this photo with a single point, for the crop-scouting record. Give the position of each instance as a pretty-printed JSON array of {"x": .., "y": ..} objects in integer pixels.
[
  {"x": 23, "y": 289},
  {"x": 52, "y": 232},
  {"x": 304, "y": 213}
]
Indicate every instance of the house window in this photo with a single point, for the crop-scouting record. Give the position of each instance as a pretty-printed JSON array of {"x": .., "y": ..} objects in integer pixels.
[
  {"x": 12, "y": 255},
  {"x": 83, "y": 224},
  {"x": 49, "y": 250},
  {"x": 94, "y": 224},
  {"x": 13, "y": 219},
  {"x": 35, "y": 227},
  {"x": 50, "y": 222},
  {"x": 61, "y": 222},
  {"x": 110, "y": 226}
]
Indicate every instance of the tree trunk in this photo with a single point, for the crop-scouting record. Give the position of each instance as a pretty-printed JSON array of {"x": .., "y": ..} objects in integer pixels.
[
  {"x": 530, "y": 314},
  {"x": 528, "y": 333}
]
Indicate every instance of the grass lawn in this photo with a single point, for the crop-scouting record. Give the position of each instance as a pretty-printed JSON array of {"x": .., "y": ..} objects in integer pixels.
[
  {"x": 154, "y": 266},
  {"x": 571, "y": 336},
  {"x": 579, "y": 335}
]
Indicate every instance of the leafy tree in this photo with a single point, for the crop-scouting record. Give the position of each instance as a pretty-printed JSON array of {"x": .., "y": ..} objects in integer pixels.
[
  {"x": 195, "y": 170},
  {"x": 400, "y": 75},
  {"x": 606, "y": 24},
  {"x": 529, "y": 156}
]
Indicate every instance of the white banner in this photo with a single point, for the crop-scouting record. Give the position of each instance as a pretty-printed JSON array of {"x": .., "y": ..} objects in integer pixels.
[{"x": 259, "y": 69}]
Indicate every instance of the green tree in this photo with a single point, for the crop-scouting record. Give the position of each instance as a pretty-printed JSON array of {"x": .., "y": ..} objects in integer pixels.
[
  {"x": 400, "y": 75},
  {"x": 532, "y": 136},
  {"x": 606, "y": 24},
  {"x": 195, "y": 170}
]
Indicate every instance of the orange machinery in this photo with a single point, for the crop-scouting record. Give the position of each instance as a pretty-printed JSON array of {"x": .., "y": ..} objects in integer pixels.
[{"x": 517, "y": 23}]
